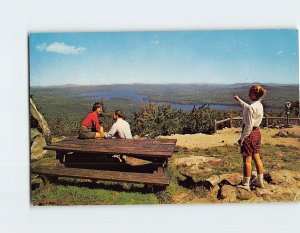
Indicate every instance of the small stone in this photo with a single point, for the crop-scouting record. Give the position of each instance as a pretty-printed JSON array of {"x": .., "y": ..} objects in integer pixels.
[{"x": 228, "y": 193}]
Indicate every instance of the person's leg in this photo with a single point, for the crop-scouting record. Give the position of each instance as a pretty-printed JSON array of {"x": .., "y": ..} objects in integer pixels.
[
  {"x": 101, "y": 133},
  {"x": 97, "y": 135},
  {"x": 86, "y": 134},
  {"x": 247, "y": 172},
  {"x": 247, "y": 166},
  {"x": 259, "y": 168}
]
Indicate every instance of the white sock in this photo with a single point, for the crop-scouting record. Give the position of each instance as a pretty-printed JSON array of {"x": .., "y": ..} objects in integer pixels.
[
  {"x": 246, "y": 180},
  {"x": 260, "y": 178}
]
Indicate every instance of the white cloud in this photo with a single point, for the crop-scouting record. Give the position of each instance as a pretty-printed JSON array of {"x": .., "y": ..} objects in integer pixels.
[
  {"x": 60, "y": 47},
  {"x": 41, "y": 47},
  {"x": 279, "y": 53}
]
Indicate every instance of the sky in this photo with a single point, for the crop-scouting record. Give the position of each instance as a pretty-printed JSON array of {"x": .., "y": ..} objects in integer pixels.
[{"x": 217, "y": 57}]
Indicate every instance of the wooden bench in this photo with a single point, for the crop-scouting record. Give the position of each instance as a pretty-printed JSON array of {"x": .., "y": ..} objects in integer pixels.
[{"x": 156, "y": 152}]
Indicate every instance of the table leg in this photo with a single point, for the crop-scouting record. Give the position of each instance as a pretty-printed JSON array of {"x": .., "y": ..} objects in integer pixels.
[
  {"x": 161, "y": 165},
  {"x": 60, "y": 155}
]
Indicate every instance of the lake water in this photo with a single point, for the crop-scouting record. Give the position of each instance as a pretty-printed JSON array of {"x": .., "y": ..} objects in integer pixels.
[{"x": 144, "y": 99}]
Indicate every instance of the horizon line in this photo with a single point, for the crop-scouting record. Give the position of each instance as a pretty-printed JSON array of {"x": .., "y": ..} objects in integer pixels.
[{"x": 135, "y": 83}]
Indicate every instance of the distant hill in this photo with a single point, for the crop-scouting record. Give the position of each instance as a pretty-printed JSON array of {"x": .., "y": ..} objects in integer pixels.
[{"x": 277, "y": 94}]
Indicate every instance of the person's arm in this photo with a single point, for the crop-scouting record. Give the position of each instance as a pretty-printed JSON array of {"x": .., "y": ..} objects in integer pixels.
[
  {"x": 249, "y": 122},
  {"x": 241, "y": 102},
  {"x": 95, "y": 121},
  {"x": 111, "y": 132}
]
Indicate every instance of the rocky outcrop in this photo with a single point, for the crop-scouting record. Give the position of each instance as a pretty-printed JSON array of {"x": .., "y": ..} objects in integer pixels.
[
  {"x": 39, "y": 133},
  {"x": 41, "y": 121},
  {"x": 37, "y": 144},
  {"x": 280, "y": 185}
]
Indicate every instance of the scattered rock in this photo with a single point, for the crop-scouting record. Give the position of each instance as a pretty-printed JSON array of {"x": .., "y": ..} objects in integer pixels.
[
  {"x": 228, "y": 193},
  {"x": 37, "y": 150},
  {"x": 283, "y": 177},
  {"x": 191, "y": 160},
  {"x": 244, "y": 194},
  {"x": 231, "y": 179},
  {"x": 194, "y": 165},
  {"x": 277, "y": 166},
  {"x": 282, "y": 133},
  {"x": 213, "y": 180},
  {"x": 213, "y": 193}
]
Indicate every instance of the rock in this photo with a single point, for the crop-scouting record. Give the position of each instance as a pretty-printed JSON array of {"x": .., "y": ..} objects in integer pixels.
[
  {"x": 282, "y": 133},
  {"x": 37, "y": 150},
  {"x": 41, "y": 120},
  {"x": 279, "y": 154},
  {"x": 277, "y": 166},
  {"x": 191, "y": 160},
  {"x": 228, "y": 193},
  {"x": 34, "y": 133},
  {"x": 213, "y": 193},
  {"x": 58, "y": 139},
  {"x": 213, "y": 180},
  {"x": 244, "y": 194},
  {"x": 283, "y": 177},
  {"x": 231, "y": 178},
  {"x": 225, "y": 179}
]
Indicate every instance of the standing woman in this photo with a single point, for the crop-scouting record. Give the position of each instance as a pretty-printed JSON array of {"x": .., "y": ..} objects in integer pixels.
[
  {"x": 90, "y": 127},
  {"x": 250, "y": 139}
]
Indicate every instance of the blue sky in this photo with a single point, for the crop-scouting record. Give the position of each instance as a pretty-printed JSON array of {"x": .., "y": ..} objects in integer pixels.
[{"x": 266, "y": 56}]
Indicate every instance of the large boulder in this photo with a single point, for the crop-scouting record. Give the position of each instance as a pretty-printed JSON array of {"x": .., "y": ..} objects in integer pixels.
[
  {"x": 283, "y": 177},
  {"x": 228, "y": 193},
  {"x": 37, "y": 144},
  {"x": 228, "y": 179},
  {"x": 41, "y": 121}
]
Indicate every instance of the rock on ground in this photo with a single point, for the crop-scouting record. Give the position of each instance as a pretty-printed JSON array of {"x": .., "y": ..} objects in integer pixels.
[{"x": 37, "y": 151}]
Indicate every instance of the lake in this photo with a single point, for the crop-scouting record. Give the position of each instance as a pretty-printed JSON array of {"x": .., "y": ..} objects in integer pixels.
[{"x": 144, "y": 99}]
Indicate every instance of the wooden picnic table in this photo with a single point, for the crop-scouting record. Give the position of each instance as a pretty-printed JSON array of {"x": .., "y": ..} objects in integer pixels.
[{"x": 156, "y": 152}]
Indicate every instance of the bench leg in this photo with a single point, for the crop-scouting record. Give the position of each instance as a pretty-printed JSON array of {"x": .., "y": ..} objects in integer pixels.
[
  {"x": 161, "y": 165},
  {"x": 49, "y": 179},
  {"x": 60, "y": 158}
]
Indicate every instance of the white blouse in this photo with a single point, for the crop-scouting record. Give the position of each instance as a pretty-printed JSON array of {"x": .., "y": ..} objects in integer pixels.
[{"x": 252, "y": 116}]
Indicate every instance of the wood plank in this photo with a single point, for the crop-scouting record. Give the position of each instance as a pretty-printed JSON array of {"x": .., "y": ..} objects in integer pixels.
[
  {"x": 126, "y": 141},
  {"x": 143, "y": 178},
  {"x": 109, "y": 143},
  {"x": 117, "y": 144},
  {"x": 112, "y": 151},
  {"x": 142, "y": 147}
]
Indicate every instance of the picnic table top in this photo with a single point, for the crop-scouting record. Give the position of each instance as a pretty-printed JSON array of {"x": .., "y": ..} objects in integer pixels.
[{"x": 141, "y": 147}]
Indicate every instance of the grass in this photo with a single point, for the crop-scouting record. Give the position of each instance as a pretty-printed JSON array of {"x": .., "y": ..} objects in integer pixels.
[{"x": 84, "y": 192}]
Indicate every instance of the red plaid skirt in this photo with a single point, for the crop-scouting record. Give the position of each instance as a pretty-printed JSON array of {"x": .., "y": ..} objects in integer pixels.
[{"x": 251, "y": 144}]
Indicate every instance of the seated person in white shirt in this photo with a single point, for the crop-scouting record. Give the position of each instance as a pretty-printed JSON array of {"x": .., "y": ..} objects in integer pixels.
[{"x": 120, "y": 129}]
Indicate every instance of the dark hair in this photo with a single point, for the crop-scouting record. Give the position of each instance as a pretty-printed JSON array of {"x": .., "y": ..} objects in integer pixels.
[
  {"x": 258, "y": 91},
  {"x": 119, "y": 113},
  {"x": 97, "y": 105}
]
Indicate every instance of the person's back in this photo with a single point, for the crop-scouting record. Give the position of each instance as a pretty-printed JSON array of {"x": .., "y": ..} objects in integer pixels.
[{"x": 121, "y": 128}]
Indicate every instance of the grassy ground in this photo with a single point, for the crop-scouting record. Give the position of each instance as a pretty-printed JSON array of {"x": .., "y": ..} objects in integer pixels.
[{"x": 84, "y": 192}]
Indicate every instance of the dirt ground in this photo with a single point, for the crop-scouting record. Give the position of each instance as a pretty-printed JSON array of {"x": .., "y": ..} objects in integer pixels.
[{"x": 230, "y": 136}]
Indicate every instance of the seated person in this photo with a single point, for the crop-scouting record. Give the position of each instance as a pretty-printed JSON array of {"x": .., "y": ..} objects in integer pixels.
[
  {"x": 90, "y": 127},
  {"x": 120, "y": 128}
]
